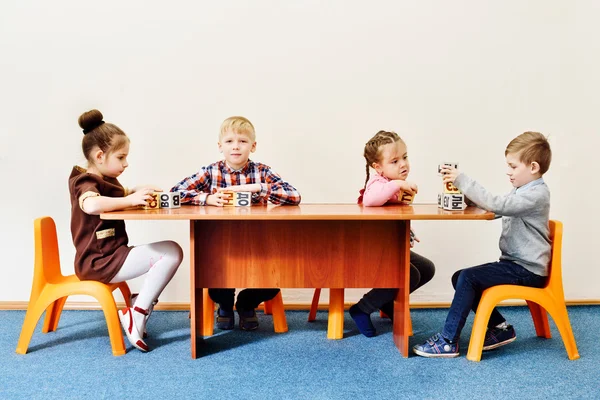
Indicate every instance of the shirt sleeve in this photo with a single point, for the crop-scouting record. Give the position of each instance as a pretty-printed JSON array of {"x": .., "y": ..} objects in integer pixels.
[
  {"x": 510, "y": 205},
  {"x": 86, "y": 187},
  {"x": 379, "y": 192},
  {"x": 276, "y": 190},
  {"x": 195, "y": 188}
]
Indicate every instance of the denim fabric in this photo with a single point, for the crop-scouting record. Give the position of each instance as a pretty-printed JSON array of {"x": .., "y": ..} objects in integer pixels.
[
  {"x": 248, "y": 299},
  {"x": 470, "y": 283}
]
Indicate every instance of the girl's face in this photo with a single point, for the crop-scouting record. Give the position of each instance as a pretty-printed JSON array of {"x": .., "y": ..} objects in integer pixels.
[
  {"x": 393, "y": 161},
  {"x": 114, "y": 163}
]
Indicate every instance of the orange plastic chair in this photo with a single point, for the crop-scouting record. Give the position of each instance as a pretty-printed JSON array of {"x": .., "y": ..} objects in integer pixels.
[
  {"x": 336, "y": 330},
  {"x": 50, "y": 290},
  {"x": 272, "y": 307},
  {"x": 550, "y": 299}
]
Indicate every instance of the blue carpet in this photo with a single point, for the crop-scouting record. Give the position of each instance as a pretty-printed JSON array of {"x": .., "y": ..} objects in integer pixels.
[{"x": 76, "y": 362}]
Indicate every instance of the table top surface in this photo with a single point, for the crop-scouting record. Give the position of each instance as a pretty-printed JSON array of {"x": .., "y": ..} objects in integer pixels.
[{"x": 302, "y": 212}]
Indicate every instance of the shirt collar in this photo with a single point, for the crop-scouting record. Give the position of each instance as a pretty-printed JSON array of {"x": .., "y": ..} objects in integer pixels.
[
  {"x": 242, "y": 170},
  {"x": 538, "y": 181}
]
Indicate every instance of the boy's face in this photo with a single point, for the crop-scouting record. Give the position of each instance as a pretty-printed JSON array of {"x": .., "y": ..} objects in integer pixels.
[
  {"x": 519, "y": 173},
  {"x": 236, "y": 148},
  {"x": 394, "y": 161}
]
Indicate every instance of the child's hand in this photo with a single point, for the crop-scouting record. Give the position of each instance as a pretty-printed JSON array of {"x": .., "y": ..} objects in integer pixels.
[
  {"x": 449, "y": 173},
  {"x": 413, "y": 239},
  {"x": 140, "y": 197},
  {"x": 142, "y": 187},
  {"x": 252, "y": 187},
  {"x": 218, "y": 199},
  {"x": 406, "y": 186}
]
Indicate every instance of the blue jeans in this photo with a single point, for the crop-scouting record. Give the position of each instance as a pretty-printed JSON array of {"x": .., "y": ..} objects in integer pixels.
[{"x": 470, "y": 283}]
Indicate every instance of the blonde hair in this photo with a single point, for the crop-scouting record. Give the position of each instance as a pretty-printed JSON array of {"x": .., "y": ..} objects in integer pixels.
[
  {"x": 372, "y": 151},
  {"x": 530, "y": 147},
  {"x": 239, "y": 125},
  {"x": 106, "y": 136}
]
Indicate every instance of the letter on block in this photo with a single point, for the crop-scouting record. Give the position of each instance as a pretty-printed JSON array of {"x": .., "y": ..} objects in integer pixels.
[
  {"x": 450, "y": 164},
  {"x": 450, "y": 188},
  {"x": 152, "y": 203},
  {"x": 454, "y": 202},
  {"x": 238, "y": 199},
  {"x": 169, "y": 200},
  {"x": 440, "y": 200},
  {"x": 405, "y": 197}
]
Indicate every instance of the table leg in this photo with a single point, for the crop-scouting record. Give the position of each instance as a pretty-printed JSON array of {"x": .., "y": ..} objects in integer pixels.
[
  {"x": 335, "y": 329},
  {"x": 196, "y": 297},
  {"x": 401, "y": 311}
]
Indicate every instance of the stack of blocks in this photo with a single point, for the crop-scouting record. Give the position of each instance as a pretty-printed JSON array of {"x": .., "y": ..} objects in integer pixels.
[
  {"x": 164, "y": 200},
  {"x": 451, "y": 198}
]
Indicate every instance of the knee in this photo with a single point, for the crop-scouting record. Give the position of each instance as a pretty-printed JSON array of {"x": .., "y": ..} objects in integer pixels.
[
  {"x": 175, "y": 251},
  {"x": 427, "y": 272},
  {"x": 455, "y": 278}
]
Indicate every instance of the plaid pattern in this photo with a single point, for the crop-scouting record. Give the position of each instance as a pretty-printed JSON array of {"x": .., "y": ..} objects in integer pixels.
[{"x": 209, "y": 179}]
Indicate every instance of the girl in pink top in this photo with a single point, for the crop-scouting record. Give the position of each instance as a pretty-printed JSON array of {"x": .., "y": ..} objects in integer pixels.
[{"x": 386, "y": 154}]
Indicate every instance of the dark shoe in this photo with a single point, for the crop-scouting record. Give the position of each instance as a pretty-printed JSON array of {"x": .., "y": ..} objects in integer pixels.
[
  {"x": 496, "y": 337},
  {"x": 388, "y": 310},
  {"x": 225, "y": 320},
  {"x": 437, "y": 347},
  {"x": 248, "y": 319},
  {"x": 362, "y": 321}
]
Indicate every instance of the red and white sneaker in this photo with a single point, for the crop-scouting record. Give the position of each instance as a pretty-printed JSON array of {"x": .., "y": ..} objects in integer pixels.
[
  {"x": 131, "y": 330},
  {"x": 132, "y": 300}
]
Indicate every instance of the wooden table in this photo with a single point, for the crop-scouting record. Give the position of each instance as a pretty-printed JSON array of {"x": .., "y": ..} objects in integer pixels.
[{"x": 332, "y": 246}]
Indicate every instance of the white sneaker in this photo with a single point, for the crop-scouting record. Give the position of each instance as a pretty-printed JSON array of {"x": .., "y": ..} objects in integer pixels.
[{"x": 131, "y": 330}]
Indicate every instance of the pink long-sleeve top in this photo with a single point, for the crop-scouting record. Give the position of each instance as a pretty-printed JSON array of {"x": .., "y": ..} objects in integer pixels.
[{"x": 379, "y": 190}]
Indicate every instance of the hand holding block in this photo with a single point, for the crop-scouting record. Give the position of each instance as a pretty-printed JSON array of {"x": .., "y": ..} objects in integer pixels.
[
  {"x": 450, "y": 188},
  {"x": 455, "y": 165},
  {"x": 152, "y": 203},
  {"x": 406, "y": 197},
  {"x": 169, "y": 200},
  {"x": 238, "y": 199},
  {"x": 454, "y": 202}
]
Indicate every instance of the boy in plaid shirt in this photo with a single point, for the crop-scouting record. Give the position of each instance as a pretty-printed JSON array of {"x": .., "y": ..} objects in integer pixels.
[{"x": 237, "y": 172}]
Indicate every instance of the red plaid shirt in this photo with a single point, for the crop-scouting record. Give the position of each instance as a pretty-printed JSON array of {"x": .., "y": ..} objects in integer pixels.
[{"x": 194, "y": 189}]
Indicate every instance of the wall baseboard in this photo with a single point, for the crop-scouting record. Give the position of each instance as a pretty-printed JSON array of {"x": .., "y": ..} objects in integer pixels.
[{"x": 22, "y": 305}]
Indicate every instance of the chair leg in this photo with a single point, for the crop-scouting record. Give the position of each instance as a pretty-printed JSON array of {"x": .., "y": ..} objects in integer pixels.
[
  {"x": 109, "y": 307},
  {"x": 540, "y": 320},
  {"x": 482, "y": 316},
  {"x": 312, "y": 315},
  {"x": 208, "y": 314},
  {"x": 32, "y": 316},
  {"x": 268, "y": 307},
  {"x": 126, "y": 292},
  {"x": 53, "y": 313},
  {"x": 561, "y": 319},
  {"x": 279, "y": 320},
  {"x": 335, "y": 326}
]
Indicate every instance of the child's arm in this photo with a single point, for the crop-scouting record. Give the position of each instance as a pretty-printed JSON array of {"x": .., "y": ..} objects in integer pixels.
[
  {"x": 195, "y": 189},
  {"x": 380, "y": 191},
  {"x": 275, "y": 189},
  {"x": 505, "y": 205},
  {"x": 96, "y": 204}
]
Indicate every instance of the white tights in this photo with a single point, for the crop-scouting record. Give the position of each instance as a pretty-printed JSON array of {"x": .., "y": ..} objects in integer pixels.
[{"x": 160, "y": 260}]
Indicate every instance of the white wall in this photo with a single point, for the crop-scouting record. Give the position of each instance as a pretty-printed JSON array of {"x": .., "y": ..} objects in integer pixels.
[{"x": 458, "y": 80}]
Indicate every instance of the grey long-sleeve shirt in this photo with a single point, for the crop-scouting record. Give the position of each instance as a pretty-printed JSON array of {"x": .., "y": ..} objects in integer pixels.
[{"x": 525, "y": 214}]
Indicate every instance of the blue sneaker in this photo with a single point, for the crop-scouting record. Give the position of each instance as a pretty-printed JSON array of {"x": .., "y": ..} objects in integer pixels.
[
  {"x": 224, "y": 319},
  {"x": 496, "y": 337},
  {"x": 437, "y": 346}
]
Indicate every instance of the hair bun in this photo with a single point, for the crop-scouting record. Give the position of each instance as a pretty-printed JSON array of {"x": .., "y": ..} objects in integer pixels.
[{"x": 90, "y": 120}]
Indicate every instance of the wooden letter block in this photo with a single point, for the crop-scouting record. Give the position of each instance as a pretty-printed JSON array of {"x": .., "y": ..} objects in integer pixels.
[
  {"x": 405, "y": 197},
  {"x": 454, "y": 202},
  {"x": 152, "y": 203},
  {"x": 455, "y": 165},
  {"x": 440, "y": 200},
  {"x": 169, "y": 200},
  {"x": 238, "y": 199},
  {"x": 450, "y": 188}
]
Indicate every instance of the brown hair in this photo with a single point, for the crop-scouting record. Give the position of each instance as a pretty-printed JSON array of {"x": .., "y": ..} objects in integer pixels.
[
  {"x": 238, "y": 125},
  {"x": 372, "y": 151},
  {"x": 531, "y": 146},
  {"x": 106, "y": 136}
]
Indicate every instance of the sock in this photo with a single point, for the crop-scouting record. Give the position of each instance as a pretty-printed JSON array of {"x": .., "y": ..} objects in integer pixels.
[
  {"x": 503, "y": 325},
  {"x": 363, "y": 321}
]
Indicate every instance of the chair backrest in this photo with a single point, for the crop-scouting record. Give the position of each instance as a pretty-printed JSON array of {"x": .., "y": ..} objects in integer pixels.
[
  {"x": 47, "y": 260},
  {"x": 555, "y": 267}
]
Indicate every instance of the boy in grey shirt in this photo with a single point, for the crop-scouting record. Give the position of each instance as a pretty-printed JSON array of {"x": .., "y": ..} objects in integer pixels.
[{"x": 524, "y": 244}]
